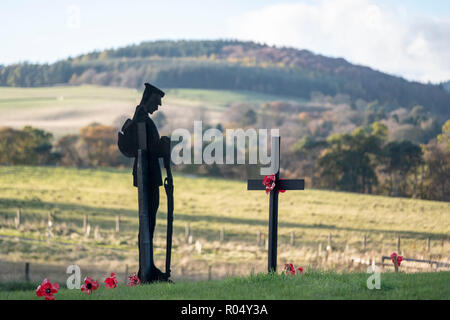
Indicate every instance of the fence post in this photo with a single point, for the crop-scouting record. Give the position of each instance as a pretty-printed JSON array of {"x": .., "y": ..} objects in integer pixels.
[
  {"x": 17, "y": 219},
  {"x": 364, "y": 242},
  {"x": 187, "y": 231},
  {"x": 85, "y": 223},
  {"x": 209, "y": 273},
  {"x": 428, "y": 244},
  {"x": 118, "y": 223},
  {"x": 350, "y": 264},
  {"x": 96, "y": 233},
  {"x": 329, "y": 241},
  {"x": 398, "y": 244},
  {"x": 222, "y": 235},
  {"x": 198, "y": 247},
  {"x": 258, "y": 238},
  {"x": 27, "y": 271},
  {"x": 395, "y": 264},
  {"x": 126, "y": 274},
  {"x": 292, "y": 238}
]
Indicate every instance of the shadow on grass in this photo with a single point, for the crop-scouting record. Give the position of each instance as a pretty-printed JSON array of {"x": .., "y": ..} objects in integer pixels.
[{"x": 37, "y": 204}]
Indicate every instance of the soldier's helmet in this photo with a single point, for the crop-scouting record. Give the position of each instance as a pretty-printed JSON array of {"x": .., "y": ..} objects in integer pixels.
[{"x": 148, "y": 91}]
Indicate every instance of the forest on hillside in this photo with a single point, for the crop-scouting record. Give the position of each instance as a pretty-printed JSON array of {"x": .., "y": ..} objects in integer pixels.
[{"x": 232, "y": 65}]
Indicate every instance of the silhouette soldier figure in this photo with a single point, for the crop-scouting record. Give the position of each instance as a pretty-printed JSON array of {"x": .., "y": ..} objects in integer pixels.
[{"x": 139, "y": 138}]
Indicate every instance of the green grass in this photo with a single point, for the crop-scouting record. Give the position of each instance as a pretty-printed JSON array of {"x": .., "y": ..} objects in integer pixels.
[
  {"x": 207, "y": 205},
  {"x": 310, "y": 285},
  {"x": 18, "y": 286}
]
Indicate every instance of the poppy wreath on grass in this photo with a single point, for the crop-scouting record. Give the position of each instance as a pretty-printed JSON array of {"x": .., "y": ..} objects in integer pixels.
[
  {"x": 47, "y": 289},
  {"x": 111, "y": 282},
  {"x": 89, "y": 285},
  {"x": 290, "y": 269},
  {"x": 269, "y": 182},
  {"x": 133, "y": 280},
  {"x": 399, "y": 258}
]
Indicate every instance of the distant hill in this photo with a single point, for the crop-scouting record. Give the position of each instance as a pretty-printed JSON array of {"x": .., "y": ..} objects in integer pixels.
[{"x": 232, "y": 65}]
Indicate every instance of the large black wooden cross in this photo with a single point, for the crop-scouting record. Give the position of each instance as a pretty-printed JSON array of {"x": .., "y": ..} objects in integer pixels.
[{"x": 288, "y": 184}]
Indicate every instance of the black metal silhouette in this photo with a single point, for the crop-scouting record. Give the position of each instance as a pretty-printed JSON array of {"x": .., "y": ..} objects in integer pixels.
[
  {"x": 285, "y": 184},
  {"x": 139, "y": 139}
]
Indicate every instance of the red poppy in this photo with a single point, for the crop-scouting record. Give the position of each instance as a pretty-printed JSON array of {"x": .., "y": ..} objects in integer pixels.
[
  {"x": 111, "y": 282},
  {"x": 89, "y": 285},
  {"x": 289, "y": 268},
  {"x": 133, "y": 280},
  {"x": 269, "y": 182},
  {"x": 300, "y": 270},
  {"x": 47, "y": 289},
  {"x": 399, "y": 258}
]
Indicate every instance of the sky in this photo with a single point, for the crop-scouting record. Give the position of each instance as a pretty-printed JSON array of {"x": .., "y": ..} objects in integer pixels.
[{"x": 408, "y": 38}]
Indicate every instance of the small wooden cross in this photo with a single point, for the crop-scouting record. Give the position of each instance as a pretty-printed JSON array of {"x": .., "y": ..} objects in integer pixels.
[{"x": 288, "y": 184}]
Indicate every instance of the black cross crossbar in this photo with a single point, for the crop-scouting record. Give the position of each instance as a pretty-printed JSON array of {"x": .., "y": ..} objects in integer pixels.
[{"x": 284, "y": 184}]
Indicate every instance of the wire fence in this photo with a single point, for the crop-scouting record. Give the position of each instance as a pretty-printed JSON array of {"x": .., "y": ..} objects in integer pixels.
[{"x": 322, "y": 255}]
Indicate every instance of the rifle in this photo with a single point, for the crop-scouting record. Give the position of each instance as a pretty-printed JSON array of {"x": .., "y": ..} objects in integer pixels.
[{"x": 168, "y": 186}]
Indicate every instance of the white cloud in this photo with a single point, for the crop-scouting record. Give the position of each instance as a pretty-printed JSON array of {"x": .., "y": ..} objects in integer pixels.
[{"x": 386, "y": 39}]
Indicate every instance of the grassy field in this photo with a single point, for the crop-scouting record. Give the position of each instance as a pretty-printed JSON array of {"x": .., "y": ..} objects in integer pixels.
[
  {"x": 223, "y": 98},
  {"x": 207, "y": 205},
  {"x": 64, "y": 109},
  {"x": 328, "y": 226},
  {"x": 310, "y": 285}
]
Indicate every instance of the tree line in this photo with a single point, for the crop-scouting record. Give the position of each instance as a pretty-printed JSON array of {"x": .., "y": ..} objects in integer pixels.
[
  {"x": 94, "y": 146},
  {"x": 363, "y": 161}
]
